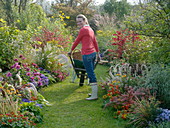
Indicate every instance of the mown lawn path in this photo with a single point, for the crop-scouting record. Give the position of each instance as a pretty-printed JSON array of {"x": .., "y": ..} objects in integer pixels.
[{"x": 69, "y": 108}]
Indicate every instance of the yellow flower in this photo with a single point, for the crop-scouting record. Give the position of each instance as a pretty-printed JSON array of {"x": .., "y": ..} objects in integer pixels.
[
  {"x": 59, "y": 46},
  {"x": 18, "y": 21},
  {"x": 1, "y": 28},
  {"x": 39, "y": 42},
  {"x": 117, "y": 74},
  {"x": 64, "y": 24},
  {"x": 61, "y": 17},
  {"x": 19, "y": 94},
  {"x": 99, "y": 31},
  {"x": 12, "y": 89},
  {"x": 67, "y": 17},
  {"x": 8, "y": 91},
  {"x": 105, "y": 96},
  {"x": 123, "y": 75},
  {"x": 62, "y": 20},
  {"x": 60, "y": 11},
  {"x": 16, "y": 30},
  {"x": 114, "y": 81},
  {"x": 62, "y": 14},
  {"x": 40, "y": 27},
  {"x": 52, "y": 17},
  {"x": 3, "y": 21}
]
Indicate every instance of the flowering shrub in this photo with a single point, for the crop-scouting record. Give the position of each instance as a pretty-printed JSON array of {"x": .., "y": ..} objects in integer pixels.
[
  {"x": 59, "y": 75},
  {"x": 144, "y": 112},
  {"x": 120, "y": 97},
  {"x": 9, "y": 101},
  {"x": 18, "y": 120},
  {"x": 123, "y": 42},
  {"x": 54, "y": 37},
  {"x": 27, "y": 72},
  {"x": 11, "y": 42}
]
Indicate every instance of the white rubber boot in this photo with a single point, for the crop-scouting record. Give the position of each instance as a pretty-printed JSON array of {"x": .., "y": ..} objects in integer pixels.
[{"x": 94, "y": 92}]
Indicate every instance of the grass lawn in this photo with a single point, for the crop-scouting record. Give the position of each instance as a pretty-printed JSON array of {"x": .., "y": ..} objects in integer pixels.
[{"x": 70, "y": 109}]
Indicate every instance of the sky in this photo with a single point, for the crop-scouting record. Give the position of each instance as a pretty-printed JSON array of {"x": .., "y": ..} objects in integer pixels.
[{"x": 102, "y": 1}]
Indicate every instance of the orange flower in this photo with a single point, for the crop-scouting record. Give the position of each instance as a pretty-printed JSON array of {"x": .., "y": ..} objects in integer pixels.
[
  {"x": 118, "y": 112},
  {"x": 124, "y": 116}
]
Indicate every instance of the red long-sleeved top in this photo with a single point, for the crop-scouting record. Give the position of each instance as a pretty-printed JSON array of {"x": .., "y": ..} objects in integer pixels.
[{"x": 87, "y": 38}]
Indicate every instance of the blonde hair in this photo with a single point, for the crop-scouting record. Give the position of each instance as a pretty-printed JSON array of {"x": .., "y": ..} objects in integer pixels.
[{"x": 83, "y": 17}]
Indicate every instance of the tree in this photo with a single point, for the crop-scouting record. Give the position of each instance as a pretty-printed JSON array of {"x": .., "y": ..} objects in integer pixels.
[
  {"x": 119, "y": 8},
  {"x": 151, "y": 19},
  {"x": 72, "y": 8}
]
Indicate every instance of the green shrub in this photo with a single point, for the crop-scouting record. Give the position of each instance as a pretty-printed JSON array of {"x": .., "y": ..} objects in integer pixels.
[
  {"x": 144, "y": 112},
  {"x": 158, "y": 79}
]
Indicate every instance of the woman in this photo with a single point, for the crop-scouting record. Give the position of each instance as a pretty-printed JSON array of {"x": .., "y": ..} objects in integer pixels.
[{"x": 89, "y": 51}]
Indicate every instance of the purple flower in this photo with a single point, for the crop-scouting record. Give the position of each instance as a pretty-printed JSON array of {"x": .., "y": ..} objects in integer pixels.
[
  {"x": 32, "y": 78},
  {"x": 40, "y": 83},
  {"x": 18, "y": 67},
  {"x": 28, "y": 69},
  {"x": 39, "y": 105},
  {"x": 9, "y": 74},
  {"x": 27, "y": 100},
  {"x": 15, "y": 59},
  {"x": 13, "y": 66},
  {"x": 1, "y": 78},
  {"x": 20, "y": 56},
  {"x": 28, "y": 73}
]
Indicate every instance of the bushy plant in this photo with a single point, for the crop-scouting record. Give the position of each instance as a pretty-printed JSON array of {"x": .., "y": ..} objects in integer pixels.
[
  {"x": 158, "y": 79},
  {"x": 27, "y": 72},
  {"x": 122, "y": 42},
  {"x": 19, "y": 120},
  {"x": 9, "y": 101},
  {"x": 33, "y": 109},
  {"x": 144, "y": 112},
  {"x": 120, "y": 97},
  {"x": 11, "y": 42}
]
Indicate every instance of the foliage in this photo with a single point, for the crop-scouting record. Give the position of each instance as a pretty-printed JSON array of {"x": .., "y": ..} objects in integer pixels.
[
  {"x": 27, "y": 72},
  {"x": 121, "y": 97},
  {"x": 32, "y": 108},
  {"x": 151, "y": 19},
  {"x": 104, "y": 38},
  {"x": 9, "y": 101},
  {"x": 158, "y": 79},
  {"x": 19, "y": 120},
  {"x": 119, "y": 8},
  {"x": 73, "y": 8},
  {"x": 11, "y": 42},
  {"x": 144, "y": 112},
  {"x": 123, "y": 42}
]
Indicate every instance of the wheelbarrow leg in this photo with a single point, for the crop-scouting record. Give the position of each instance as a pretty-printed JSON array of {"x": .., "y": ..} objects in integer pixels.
[{"x": 82, "y": 78}]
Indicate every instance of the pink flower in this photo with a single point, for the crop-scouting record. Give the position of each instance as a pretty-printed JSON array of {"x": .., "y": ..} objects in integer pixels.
[
  {"x": 18, "y": 67},
  {"x": 15, "y": 59},
  {"x": 9, "y": 74},
  {"x": 20, "y": 56},
  {"x": 28, "y": 73}
]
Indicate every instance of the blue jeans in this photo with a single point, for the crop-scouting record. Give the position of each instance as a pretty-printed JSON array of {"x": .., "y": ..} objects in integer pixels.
[{"x": 89, "y": 64}]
